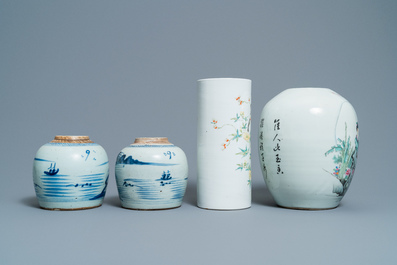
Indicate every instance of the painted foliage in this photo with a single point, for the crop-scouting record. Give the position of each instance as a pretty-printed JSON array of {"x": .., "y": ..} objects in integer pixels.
[
  {"x": 345, "y": 157},
  {"x": 241, "y": 124}
]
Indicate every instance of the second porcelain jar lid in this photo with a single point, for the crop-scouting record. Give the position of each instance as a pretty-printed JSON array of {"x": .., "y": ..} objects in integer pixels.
[{"x": 151, "y": 141}]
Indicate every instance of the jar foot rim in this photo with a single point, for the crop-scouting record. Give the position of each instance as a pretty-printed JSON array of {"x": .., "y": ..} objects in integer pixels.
[
  {"x": 70, "y": 209},
  {"x": 156, "y": 209},
  {"x": 308, "y": 208}
]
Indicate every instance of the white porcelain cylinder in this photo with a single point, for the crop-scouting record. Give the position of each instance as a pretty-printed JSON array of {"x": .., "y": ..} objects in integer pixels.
[
  {"x": 308, "y": 144},
  {"x": 224, "y": 144}
]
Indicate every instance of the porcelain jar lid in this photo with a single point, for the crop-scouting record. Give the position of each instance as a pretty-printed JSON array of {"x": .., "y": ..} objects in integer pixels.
[
  {"x": 71, "y": 139},
  {"x": 151, "y": 141}
]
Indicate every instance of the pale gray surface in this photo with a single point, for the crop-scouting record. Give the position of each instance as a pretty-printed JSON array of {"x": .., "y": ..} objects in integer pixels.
[{"x": 116, "y": 70}]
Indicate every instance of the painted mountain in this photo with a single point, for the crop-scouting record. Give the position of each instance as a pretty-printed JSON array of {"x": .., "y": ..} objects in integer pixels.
[{"x": 128, "y": 160}]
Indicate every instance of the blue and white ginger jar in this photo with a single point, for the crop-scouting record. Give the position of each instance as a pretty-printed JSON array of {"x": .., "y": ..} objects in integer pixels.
[
  {"x": 151, "y": 174},
  {"x": 70, "y": 173}
]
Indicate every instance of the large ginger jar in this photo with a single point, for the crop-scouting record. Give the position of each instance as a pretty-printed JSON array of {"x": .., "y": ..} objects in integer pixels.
[{"x": 308, "y": 144}]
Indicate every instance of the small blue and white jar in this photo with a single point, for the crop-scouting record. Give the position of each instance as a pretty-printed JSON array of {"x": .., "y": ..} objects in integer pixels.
[
  {"x": 151, "y": 174},
  {"x": 70, "y": 173}
]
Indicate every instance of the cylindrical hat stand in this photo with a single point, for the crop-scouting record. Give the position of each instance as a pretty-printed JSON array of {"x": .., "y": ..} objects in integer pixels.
[{"x": 224, "y": 144}]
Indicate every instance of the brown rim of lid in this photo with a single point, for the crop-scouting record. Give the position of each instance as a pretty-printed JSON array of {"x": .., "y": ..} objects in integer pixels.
[
  {"x": 76, "y": 139},
  {"x": 152, "y": 140}
]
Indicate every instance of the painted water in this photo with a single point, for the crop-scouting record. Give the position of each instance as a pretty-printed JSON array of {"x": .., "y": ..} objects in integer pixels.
[{"x": 61, "y": 188}]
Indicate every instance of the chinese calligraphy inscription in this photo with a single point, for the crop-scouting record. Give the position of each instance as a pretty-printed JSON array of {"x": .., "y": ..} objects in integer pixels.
[
  {"x": 261, "y": 148},
  {"x": 277, "y": 145}
]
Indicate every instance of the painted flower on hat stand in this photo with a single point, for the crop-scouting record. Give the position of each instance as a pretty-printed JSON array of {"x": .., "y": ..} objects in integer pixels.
[{"x": 241, "y": 124}]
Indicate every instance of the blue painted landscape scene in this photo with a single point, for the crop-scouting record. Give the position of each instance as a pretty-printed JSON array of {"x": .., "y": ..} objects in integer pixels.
[
  {"x": 161, "y": 191},
  {"x": 123, "y": 159},
  {"x": 59, "y": 187}
]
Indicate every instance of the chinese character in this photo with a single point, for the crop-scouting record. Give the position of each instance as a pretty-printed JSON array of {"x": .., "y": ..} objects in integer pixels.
[
  {"x": 279, "y": 170},
  {"x": 277, "y": 124},
  {"x": 262, "y": 121},
  {"x": 277, "y": 148},
  {"x": 278, "y": 159}
]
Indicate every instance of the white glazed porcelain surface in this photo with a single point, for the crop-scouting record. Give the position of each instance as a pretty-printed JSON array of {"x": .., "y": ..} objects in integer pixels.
[
  {"x": 308, "y": 144},
  {"x": 151, "y": 177},
  {"x": 224, "y": 144},
  {"x": 70, "y": 175}
]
